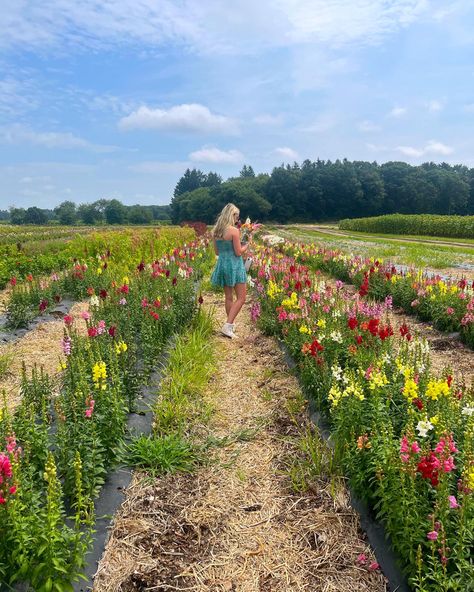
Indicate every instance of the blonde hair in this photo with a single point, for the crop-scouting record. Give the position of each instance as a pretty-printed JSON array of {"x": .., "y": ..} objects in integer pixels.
[{"x": 225, "y": 219}]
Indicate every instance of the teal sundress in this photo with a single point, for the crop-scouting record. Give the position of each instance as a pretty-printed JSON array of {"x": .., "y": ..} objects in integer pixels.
[{"x": 229, "y": 269}]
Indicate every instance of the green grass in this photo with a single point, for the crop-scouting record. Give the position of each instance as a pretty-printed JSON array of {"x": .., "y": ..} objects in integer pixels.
[
  {"x": 313, "y": 460},
  {"x": 167, "y": 454},
  {"x": 191, "y": 364},
  {"x": 409, "y": 253},
  {"x": 5, "y": 362}
]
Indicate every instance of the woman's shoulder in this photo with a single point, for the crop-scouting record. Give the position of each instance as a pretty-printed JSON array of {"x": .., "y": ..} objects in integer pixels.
[{"x": 230, "y": 232}]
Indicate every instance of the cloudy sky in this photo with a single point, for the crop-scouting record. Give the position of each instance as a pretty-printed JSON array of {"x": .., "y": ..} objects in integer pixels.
[{"x": 115, "y": 98}]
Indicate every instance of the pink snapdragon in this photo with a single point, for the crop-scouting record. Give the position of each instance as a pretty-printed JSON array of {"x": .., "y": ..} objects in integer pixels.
[
  {"x": 66, "y": 345},
  {"x": 90, "y": 408},
  {"x": 453, "y": 502}
]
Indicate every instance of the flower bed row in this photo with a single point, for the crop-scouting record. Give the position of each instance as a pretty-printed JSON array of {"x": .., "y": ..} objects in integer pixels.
[
  {"x": 404, "y": 434},
  {"x": 95, "y": 260},
  {"x": 56, "y": 448},
  {"x": 448, "y": 304}
]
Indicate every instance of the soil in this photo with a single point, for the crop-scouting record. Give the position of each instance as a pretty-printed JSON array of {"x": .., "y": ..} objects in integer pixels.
[
  {"x": 236, "y": 524},
  {"x": 41, "y": 347}
]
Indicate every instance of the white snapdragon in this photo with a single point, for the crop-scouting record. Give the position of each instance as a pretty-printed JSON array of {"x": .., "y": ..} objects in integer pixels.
[{"x": 423, "y": 427}]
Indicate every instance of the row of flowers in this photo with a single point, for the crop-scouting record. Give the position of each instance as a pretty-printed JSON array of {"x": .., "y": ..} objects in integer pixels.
[
  {"x": 447, "y": 303},
  {"x": 403, "y": 433},
  {"x": 59, "y": 444},
  {"x": 89, "y": 262}
]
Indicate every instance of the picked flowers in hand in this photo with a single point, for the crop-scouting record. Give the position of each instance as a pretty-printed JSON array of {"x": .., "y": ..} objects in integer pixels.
[{"x": 247, "y": 229}]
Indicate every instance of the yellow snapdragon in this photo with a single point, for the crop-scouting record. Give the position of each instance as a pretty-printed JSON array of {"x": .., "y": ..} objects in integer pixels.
[{"x": 437, "y": 388}]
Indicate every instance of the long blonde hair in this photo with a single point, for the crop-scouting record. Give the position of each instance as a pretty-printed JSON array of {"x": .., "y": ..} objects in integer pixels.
[{"x": 225, "y": 219}]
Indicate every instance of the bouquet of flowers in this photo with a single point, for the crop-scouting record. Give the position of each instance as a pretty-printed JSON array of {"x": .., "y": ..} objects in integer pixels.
[{"x": 247, "y": 229}]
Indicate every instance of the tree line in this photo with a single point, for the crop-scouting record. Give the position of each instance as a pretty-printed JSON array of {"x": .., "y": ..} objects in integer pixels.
[
  {"x": 102, "y": 211},
  {"x": 324, "y": 190}
]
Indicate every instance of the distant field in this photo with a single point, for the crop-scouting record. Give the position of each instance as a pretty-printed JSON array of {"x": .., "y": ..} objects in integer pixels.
[
  {"x": 414, "y": 224},
  {"x": 410, "y": 252}
]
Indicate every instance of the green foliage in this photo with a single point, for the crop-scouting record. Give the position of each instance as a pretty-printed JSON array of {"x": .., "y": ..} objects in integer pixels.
[
  {"x": 422, "y": 224},
  {"x": 165, "y": 454}
]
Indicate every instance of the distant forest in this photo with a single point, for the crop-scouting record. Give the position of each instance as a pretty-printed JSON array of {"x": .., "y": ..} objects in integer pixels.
[
  {"x": 102, "y": 211},
  {"x": 325, "y": 190},
  {"x": 313, "y": 191}
]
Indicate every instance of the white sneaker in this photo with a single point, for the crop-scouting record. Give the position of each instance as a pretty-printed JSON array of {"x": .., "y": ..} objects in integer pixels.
[{"x": 228, "y": 331}]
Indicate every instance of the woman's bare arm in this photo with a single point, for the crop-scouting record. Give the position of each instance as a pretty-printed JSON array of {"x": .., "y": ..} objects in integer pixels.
[{"x": 239, "y": 249}]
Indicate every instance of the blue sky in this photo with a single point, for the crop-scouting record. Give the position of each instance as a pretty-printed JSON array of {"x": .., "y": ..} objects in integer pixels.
[{"x": 115, "y": 98}]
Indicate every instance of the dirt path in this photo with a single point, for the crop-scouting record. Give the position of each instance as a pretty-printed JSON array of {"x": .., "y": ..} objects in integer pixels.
[
  {"x": 237, "y": 525},
  {"x": 445, "y": 243},
  {"x": 40, "y": 346}
]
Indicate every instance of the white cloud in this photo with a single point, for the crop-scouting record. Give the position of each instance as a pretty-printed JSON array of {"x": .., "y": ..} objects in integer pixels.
[
  {"x": 322, "y": 123},
  {"x": 18, "y": 134},
  {"x": 287, "y": 153},
  {"x": 192, "y": 117},
  {"x": 368, "y": 126},
  {"x": 157, "y": 167},
  {"x": 16, "y": 96},
  {"x": 397, "y": 112},
  {"x": 434, "y": 147},
  {"x": 217, "y": 156},
  {"x": 431, "y": 148},
  {"x": 410, "y": 151},
  {"x": 204, "y": 26},
  {"x": 269, "y": 120},
  {"x": 434, "y": 106}
]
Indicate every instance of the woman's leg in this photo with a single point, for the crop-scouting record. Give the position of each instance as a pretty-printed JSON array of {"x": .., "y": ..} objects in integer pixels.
[
  {"x": 241, "y": 291},
  {"x": 229, "y": 299}
]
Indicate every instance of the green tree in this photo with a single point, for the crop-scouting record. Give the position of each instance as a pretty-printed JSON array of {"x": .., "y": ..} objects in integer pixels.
[
  {"x": 247, "y": 171},
  {"x": 192, "y": 179},
  {"x": 139, "y": 215},
  {"x": 17, "y": 215},
  {"x": 66, "y": 213},
  {"x": 115, "y": 212},
  {"x": 90, "y": 213},
  {"x": 35, "y": 215}
]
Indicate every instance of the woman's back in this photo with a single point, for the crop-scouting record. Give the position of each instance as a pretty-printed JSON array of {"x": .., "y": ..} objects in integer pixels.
[{"x": 225, "y": 247}]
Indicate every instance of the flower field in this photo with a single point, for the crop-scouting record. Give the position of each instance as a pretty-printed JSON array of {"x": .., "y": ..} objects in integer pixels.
[
  {"x": 38, "y": 250},
  {"x": 447, "y": 303},
  {"x": 59, "y": 443},
  {"x": 403, "y": 433}
]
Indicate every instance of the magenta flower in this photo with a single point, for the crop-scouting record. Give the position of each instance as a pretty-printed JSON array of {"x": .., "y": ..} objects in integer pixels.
[
  {"x": 85, "y": 315},
  {"x": 453, "y": 502},
  {"x": 432, "y": 536},
  {"x": 362, "y": 558}
]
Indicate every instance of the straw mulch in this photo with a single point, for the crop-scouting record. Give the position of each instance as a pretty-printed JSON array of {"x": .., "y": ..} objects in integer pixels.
[
  {"x": 42, "y": 347},
  {"x": 236, "y": 525}
]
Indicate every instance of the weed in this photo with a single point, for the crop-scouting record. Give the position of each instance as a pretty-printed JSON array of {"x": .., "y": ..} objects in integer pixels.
[{"x": 167, "y": 454}]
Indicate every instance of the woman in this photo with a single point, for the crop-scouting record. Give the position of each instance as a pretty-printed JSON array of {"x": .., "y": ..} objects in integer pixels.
[{"x": 229, "y": 272}]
